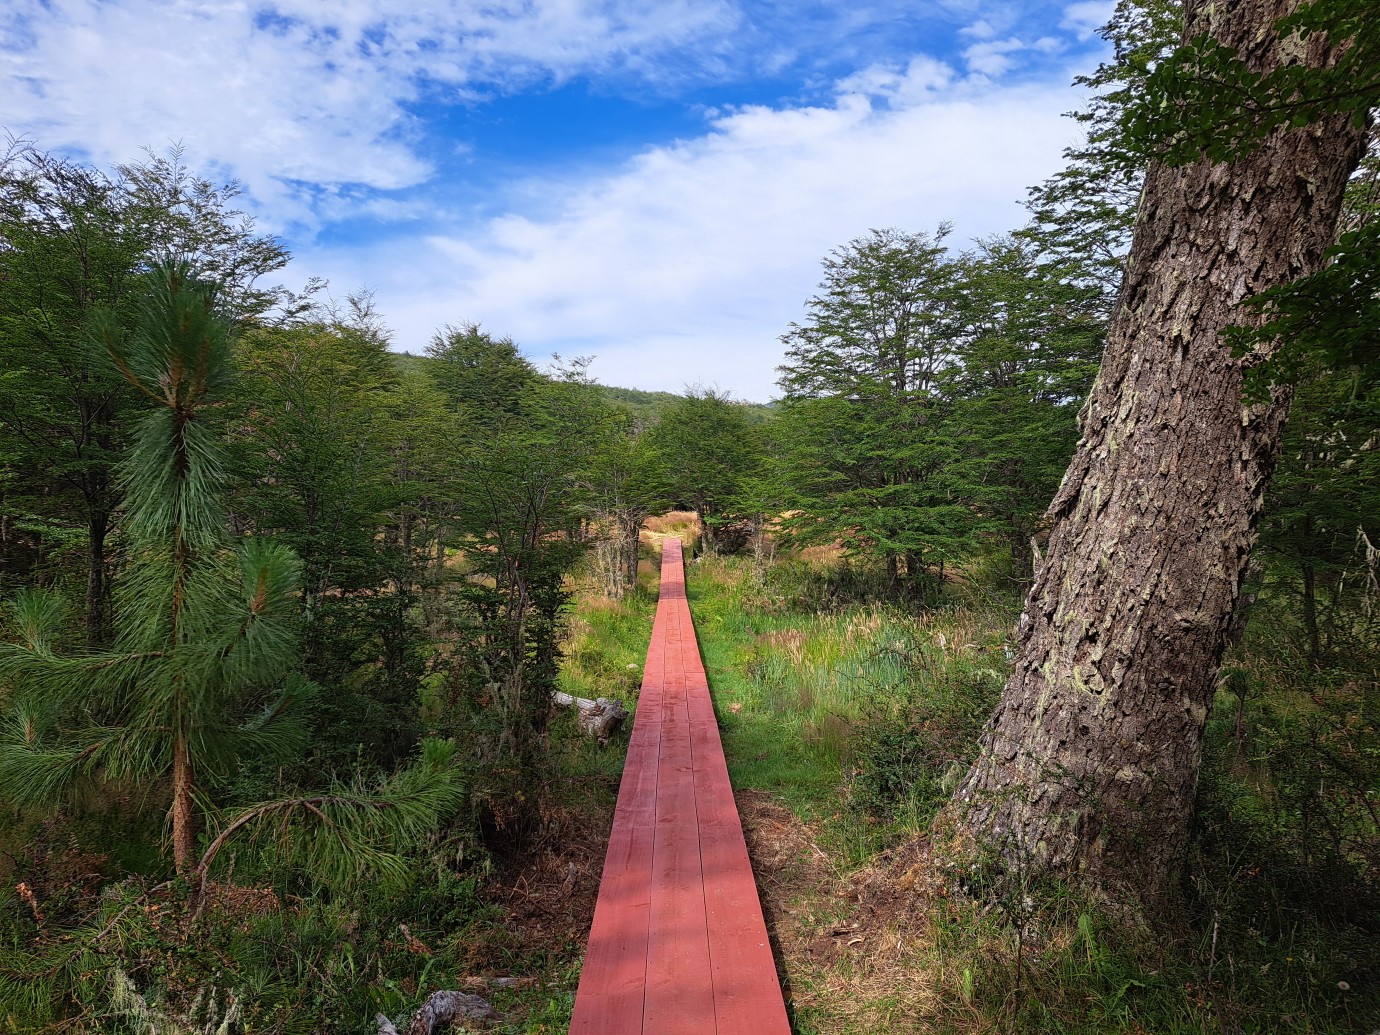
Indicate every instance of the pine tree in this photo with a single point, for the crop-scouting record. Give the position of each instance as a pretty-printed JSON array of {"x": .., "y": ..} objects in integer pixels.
[
  {"x": 199, "y": 672},
  {"x": 72, "y": 240}
]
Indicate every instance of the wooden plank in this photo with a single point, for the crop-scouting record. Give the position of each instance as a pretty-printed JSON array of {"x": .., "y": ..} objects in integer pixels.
[
  {"x": 747, "y": 995},
  {"x": 747, "y": 991},
  {"x": 678, "y": 945},
  {"x": 680, "y": 996},
  {"x": 609, "y": 1000}
]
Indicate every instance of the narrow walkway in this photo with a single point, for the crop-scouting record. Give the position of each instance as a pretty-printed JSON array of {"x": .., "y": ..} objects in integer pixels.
[{"x": 678, "y": 943}]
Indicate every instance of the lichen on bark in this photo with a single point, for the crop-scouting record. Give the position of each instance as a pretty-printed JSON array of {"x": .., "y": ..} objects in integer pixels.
[{"x": 1089, "y": 765}]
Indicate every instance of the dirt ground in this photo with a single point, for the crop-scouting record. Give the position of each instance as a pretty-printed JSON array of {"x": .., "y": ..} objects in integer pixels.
[{"x": 846, "y": 944}]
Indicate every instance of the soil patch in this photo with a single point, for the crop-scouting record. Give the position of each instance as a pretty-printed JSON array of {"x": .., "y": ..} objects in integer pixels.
[
  {"x": 848, "y": 946},
  {"x": 548, "y": 889}
]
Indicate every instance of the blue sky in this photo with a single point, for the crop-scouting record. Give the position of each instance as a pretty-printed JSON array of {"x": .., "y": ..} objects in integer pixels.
[{"x": 653, "y": 182}]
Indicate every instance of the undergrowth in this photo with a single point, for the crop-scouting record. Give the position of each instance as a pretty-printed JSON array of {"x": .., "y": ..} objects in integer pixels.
[{"x": 858, "y": 715}]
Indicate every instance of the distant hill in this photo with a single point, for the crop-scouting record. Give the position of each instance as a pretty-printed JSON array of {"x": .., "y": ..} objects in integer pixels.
[
  {"x": 647, "y": 405},
  {"x": 650, "y": 404},
  {"x": 406, "y": 362}
]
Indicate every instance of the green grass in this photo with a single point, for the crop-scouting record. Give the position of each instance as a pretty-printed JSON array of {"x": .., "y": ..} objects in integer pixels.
[
  {"x": 859, "y": 718},
  {"x": 606, "y": 645},
  {"x": 803, "y": 699}
]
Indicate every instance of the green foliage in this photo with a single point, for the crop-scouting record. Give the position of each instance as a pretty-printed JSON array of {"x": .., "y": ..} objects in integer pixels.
[
  {"x": 516, "y": 520},
  {"x": 622, "y": 480},
  {"x": 647, "y": 407},
  {"x": 1031, "y": 341},
  {"x": 74, "y": 241},
  {"x": 1328, "y": 317},
  {"x": 1282, "y": 882},
  {"x": 606, "y": 642},
  {"x": 300, "y": 966},
  {"x": 866, "y": 455},
  {"x": 917, "y": 738},
  {"x": 1205, "y": 99},
  {"x": 483, "y": 377},
  {"x": 325, "y": 441},
  {"x": 706, "y": 449},
  {"x": 1322, "y": 511},
  {"x": 206, "y": 637},
  {"x": 1081, "y": 218},
  {"x": 353, "y": 836},
  {"x": 857, "y": 716},
  {"x": 930, "y": 402}
]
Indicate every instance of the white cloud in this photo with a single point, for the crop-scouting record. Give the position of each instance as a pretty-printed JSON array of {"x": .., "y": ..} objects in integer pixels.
[
  {"x": 685, "y": 265},
  {"x": 993, "y": 57},
  {"x": 299, "y": 90},
  {"x": 681, "y": 265},
  {"x": 1087, "y": 16},
  {"x": 914, "y": 84}
]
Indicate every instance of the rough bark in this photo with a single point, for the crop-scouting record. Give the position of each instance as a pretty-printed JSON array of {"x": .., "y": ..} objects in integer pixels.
[
  {"x": 1090, "y": 762},
  {"x": 632, "y": 530}
]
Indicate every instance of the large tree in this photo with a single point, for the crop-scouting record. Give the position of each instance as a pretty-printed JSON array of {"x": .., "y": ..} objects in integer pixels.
[
  {"x": 66, "y": 251},
  {"x": 867, "y": 457},
  {"x": 315, "y": 427},
  {"x": 1026, "y": 356},
  {"x": 1090, "y": 761},
  {"x": 72, "y": 242},
  {"x": 704, "y": 448}
]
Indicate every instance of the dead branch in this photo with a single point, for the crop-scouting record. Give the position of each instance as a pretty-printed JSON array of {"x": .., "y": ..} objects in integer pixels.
[{"x": 441, "y": 1008}]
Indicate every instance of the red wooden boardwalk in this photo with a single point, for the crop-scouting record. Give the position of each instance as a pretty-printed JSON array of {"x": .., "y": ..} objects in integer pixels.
[{"x": 678, "y": 946}]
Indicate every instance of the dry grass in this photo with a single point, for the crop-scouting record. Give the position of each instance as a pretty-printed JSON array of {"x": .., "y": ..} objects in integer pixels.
[
  {"x": 856, "y": 951},
  {"x": 822, "y": 556},
  {"x": 677, "y": 524}
]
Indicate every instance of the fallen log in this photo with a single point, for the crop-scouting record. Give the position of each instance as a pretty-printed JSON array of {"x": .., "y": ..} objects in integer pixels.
[
  {"x": 599, "y": 718},
  {"x": 442, "y": 1008}
]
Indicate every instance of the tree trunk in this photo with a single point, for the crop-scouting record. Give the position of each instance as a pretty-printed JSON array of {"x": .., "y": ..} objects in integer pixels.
[
  {"x": 1090, "y": 762},
  {"x": 98, "y": 524},
  {"x": 183, "y": 807},
  {"x": 1022, "y": 555},
  {"x": 632, "y": 528},
  {"x": 1310, "y": 612}
]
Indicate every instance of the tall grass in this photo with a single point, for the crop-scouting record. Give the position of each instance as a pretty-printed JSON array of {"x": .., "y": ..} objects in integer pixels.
[
  {"x": 863, "y": 716},
  {"x": 808, "y": 701}
]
